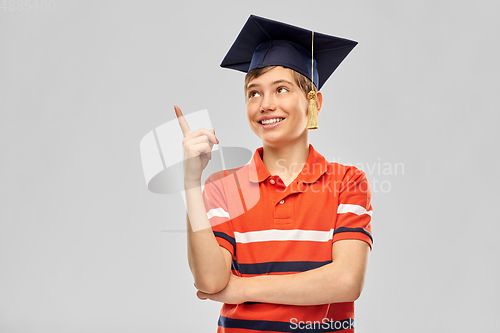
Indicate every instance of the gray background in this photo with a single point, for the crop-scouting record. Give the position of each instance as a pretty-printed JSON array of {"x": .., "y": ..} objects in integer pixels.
[{"x": 83, "y": 246}]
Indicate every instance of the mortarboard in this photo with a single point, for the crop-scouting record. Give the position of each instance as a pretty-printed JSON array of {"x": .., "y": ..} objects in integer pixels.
[{"x": 263, "y": 42}]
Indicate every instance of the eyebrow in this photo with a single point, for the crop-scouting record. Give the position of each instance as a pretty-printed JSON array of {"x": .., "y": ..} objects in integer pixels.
[{"x": 253, "y": 85}]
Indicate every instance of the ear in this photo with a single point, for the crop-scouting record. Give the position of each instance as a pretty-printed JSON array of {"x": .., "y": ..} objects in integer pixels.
[{"x": 319, "y": 101}]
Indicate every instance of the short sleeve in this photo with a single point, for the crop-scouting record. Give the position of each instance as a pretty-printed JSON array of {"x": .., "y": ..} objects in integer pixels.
[
  {"x": 354, "y": 210},
  {"x": 218, "y": 213}
]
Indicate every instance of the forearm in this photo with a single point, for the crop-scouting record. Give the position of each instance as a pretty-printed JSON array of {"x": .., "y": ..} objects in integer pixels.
[
  {"x": 327, "y": 284},
  {"x": 205, "y": 256}
]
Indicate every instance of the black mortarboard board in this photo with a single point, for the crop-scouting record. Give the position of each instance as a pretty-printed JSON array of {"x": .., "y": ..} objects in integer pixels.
[{"x": 263, "y": 42}]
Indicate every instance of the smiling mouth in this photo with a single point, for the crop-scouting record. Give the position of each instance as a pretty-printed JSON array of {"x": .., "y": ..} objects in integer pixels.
[{"x": 271, "y": 121}]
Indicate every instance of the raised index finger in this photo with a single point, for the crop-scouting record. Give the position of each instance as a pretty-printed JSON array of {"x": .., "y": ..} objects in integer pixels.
[{"x": 182, "y": 121}]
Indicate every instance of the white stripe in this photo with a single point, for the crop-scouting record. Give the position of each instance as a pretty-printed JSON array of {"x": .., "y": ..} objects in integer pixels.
[
  {"x": 283, "y": 235},
  {"x": 219, "y": 212},
  {"x": 356, "y": 209}
]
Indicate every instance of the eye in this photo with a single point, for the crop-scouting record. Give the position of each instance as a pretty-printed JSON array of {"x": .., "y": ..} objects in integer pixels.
[
  {"x": 281, "y": 90},
  {"x": 253, "y": 94}
]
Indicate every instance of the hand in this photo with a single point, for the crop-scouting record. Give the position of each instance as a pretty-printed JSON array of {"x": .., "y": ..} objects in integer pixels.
[
  {"x": 234, "y": 293},
  {"x": 197, "y": 147}
]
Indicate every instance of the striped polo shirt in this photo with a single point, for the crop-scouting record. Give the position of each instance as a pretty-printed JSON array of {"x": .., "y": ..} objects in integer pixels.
[{"x": 270, "y": 228}]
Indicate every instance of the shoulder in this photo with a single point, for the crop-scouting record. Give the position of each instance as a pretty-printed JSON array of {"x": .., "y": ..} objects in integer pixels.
[
  {"x": 343, "y": 179},
  {"x": 344, "y": 172}
]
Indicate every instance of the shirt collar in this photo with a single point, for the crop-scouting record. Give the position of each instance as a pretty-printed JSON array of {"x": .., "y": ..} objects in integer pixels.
[{"x": 315, "y": 167}]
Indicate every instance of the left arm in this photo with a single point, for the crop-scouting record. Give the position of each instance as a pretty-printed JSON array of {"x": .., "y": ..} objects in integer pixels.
[{"x": 340, "y": 281}]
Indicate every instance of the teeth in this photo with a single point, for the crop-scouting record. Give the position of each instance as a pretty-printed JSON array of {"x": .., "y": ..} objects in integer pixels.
[{"x": 271, "y": 121}]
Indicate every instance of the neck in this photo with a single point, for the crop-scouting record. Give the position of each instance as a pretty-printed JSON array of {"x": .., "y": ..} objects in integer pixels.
[{"x": 287, "y": 161}]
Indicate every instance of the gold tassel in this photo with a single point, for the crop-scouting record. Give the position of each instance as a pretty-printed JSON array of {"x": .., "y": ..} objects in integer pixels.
[{"x": 312, "y": 112}]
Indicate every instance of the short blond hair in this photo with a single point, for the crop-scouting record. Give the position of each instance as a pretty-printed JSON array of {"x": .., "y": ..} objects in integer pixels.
[{"x": 302, "y": 81}]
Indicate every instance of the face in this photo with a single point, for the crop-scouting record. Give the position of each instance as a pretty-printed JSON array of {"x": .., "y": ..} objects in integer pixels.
[{"x": 277, "y": 108}]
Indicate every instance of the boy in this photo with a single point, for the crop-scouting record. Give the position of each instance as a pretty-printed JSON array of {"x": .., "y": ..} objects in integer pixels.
[{"x": 295, "y": 259}]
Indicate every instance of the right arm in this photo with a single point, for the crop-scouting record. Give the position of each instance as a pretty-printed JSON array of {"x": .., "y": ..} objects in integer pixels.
[{"x": 210, "y": 264}]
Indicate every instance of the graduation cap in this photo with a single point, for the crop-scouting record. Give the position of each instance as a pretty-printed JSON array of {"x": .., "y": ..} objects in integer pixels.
[{"x": 263, "y": 42}]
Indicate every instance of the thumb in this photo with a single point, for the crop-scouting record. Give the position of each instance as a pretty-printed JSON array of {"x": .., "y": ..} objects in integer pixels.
[
  {"x": 213, "y": 131},
  {"x": 201, "y": 295}
]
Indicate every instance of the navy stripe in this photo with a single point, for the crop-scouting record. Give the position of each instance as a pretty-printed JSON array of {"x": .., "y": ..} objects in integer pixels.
[
  {"x": 292, "y": 326},
  {"x": 226, "y": 237},
  {"x": 236, "y": 266},
  {"x": 279, "y": 266},
  {"x": 344, "y": 229}
]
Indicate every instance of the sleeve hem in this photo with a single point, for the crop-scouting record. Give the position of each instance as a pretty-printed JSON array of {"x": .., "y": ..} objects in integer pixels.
[
  {"x": 353, "y": 235},
  {"x": 225, "y": 244}
]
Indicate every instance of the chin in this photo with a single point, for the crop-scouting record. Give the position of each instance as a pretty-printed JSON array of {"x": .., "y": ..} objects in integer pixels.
[{"x": 277, "y": 143}]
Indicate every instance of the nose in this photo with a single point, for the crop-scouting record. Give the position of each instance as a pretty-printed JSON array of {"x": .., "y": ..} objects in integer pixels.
[{"x": 268, "y": 103}]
